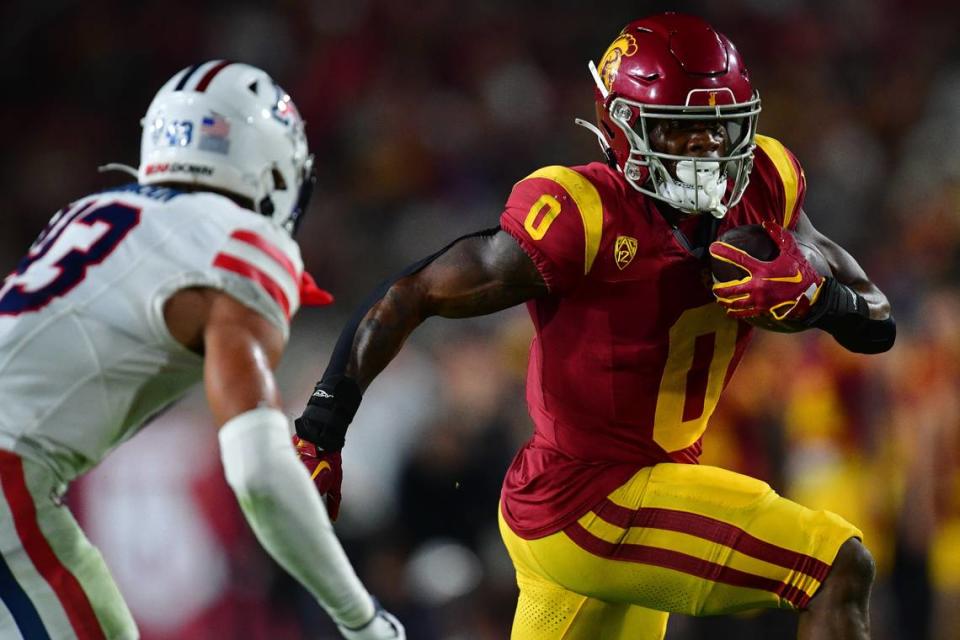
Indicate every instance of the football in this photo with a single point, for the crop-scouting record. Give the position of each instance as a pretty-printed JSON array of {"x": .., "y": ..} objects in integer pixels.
[{"x": 752, "y": 239}]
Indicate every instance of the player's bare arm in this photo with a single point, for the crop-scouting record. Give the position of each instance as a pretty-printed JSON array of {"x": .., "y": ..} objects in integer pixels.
[
  {"x": 240, "y": 345},
  {"x": 845, "y": 268},
  {"x": 241, "y": 348},
  {"x": 476, "y": 276}
]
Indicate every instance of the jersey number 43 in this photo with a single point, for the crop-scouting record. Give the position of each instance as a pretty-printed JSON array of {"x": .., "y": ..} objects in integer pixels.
[{"x": 76, "y": 239}]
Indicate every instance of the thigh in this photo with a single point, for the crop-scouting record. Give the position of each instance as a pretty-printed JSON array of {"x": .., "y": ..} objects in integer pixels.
[
  {"x": 547, "y": 611},
  {"x": 54, "y": 582},
  {"x": 696, "y": 540}
]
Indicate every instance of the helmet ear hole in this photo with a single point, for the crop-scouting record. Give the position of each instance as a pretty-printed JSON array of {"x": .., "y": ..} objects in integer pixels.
[
  {"x": 278, "y": 182},
  {"x": 266, "y": 207}
]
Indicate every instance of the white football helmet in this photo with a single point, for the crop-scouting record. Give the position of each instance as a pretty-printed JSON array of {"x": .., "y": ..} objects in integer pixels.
[{"x": 230, "y": 127}]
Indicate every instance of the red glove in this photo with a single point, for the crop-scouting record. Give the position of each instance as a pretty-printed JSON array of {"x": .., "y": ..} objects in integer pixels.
[
  {"x": 785, "y": 287},
  {"x": 326, "y": 471}
]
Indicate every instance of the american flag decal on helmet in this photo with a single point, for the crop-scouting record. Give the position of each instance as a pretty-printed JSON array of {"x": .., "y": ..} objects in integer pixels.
[{"x": 214, "y": 133}]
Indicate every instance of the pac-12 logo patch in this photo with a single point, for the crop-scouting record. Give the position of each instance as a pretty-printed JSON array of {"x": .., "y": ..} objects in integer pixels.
[
  {"x": 624, "y": 249},
  {"x": 624, "y": 45}
]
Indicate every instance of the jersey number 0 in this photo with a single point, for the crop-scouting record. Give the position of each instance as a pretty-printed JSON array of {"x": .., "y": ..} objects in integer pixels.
[{"x": 702, "y": 341}]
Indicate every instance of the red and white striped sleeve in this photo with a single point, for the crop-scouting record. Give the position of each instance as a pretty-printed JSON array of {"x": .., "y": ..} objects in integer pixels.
[
  {"x": 260, "y": 267},
  {"x": 254, "y": 256},
  {"x": 205, "y": 240}
]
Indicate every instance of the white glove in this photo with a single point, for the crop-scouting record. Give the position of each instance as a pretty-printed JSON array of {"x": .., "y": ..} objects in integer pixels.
[{"x": 383, "y": 626}]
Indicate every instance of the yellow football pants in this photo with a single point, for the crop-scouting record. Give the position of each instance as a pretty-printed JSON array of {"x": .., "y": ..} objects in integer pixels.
[{"x": 675, "y": 538}]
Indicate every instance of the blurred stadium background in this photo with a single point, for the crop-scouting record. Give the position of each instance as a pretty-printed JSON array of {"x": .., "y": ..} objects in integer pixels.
[{"x": 422, "y": 116}]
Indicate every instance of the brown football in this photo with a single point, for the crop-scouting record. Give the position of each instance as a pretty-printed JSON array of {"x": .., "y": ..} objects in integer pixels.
[{"x": 752, "y": 239}]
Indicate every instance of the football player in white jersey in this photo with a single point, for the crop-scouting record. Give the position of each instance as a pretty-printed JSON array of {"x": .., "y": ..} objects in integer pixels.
[{"x": 127, "y": 299}]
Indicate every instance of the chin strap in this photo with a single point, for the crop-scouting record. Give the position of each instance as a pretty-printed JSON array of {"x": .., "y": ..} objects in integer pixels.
[
  {"x": 303, "y": 197},
  {"x": 596, "y": 131},
  {"x": 607, "y": 150},
  {"x": 116, "y": 166}
]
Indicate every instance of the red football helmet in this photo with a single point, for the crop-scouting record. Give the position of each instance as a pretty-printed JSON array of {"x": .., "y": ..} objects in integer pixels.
[{"x": 676, "y": 67}]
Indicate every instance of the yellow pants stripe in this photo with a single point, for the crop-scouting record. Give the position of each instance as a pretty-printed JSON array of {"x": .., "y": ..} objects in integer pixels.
[{"x": 680, "y": 538}]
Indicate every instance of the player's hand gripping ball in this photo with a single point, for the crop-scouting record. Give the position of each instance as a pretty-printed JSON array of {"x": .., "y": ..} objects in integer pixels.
[
  {"x": 762, "y": 274},
  {"x": 325, "y": 470}
]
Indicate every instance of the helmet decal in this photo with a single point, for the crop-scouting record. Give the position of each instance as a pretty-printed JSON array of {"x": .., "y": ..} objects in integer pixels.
[
  {"x": 710, "y": 97},
  {"x": 172, "y": 133},
  {"x": 283, "y": 109},
  {"x": 214, "y": 134},
  {"x": 624, "y": 45}
]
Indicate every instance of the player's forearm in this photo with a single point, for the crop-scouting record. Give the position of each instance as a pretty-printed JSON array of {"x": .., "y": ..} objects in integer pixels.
[
  {"x": 383, "y": 331},
  {"x": 877, "y": 303},
  {"x": 475, "y": 275},
  {"x": 287, "y": 515},
  {"x": 408, "y": 303}
]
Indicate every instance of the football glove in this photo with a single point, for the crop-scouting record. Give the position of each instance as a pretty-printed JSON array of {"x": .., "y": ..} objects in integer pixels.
[
  {"x": 784, "y": 288},
  {"x": 383, "y": 626},
  {"x": 325, "y": 470},
  {"x": 321, "y": 432}
]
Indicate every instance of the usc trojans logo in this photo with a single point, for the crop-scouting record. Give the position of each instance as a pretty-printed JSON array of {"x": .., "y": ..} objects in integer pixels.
[
  {"x": 624, "y": 45},
  {"x": 624, "y": 249}
]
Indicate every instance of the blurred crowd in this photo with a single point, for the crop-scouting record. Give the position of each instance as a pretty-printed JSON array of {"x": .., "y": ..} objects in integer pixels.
[{"x": 422, "y": 115}]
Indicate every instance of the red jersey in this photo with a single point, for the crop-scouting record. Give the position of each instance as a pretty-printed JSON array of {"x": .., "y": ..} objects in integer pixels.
[{"x": 631, "y": 352}]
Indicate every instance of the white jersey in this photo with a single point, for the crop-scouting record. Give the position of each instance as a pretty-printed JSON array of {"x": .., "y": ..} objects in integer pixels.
[{"x": 85, "y": 355}]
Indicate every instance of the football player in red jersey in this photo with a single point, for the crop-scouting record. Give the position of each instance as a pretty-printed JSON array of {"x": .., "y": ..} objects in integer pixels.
[{"x": 608, "y": 518}]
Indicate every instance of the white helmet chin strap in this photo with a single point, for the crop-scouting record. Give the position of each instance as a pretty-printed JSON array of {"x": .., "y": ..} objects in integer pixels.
[
  {"x": 595, "y": 130},
  {"x": 118, "y": 166}
]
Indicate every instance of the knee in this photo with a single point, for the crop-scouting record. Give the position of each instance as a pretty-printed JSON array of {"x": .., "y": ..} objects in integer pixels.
[{"x": 853, "y": 571}]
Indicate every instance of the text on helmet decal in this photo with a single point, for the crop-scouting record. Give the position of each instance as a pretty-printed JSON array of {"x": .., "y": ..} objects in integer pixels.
[
  {"x": 175, "y": 133},
  {"x": 179, "y": 167},
  {"x": 624, "y": 45}
]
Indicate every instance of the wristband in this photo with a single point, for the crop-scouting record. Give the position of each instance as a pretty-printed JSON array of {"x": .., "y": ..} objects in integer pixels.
[
  {"x": 836, "y": 303},
  {"x": 845, "y": 315},
  {"x": 331, "y": 408}
]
